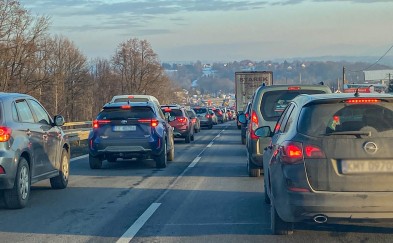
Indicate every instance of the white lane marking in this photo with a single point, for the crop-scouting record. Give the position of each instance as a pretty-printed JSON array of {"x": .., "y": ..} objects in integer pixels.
[
  {"x": 79, "y": 157},
  {"x": 133, "y": 230},
  {"x": 210, "y": 144},
  {"x": 194, "y": 162}
]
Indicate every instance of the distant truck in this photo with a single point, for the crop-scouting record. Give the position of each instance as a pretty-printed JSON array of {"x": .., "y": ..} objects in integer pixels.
[{"x": 246, "y": 83}]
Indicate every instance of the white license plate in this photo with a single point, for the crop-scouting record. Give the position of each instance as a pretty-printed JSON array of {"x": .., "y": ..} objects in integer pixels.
[
  {"x": 366, "y": 166},
  {"x": 124, "y": 128}
]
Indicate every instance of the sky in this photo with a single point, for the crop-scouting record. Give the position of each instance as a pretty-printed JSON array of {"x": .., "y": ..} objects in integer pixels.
[{"x": 224, "y": 30}]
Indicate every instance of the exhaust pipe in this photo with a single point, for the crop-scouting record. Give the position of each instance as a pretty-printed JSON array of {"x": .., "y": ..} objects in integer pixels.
[{"x": 320, "y": 219}]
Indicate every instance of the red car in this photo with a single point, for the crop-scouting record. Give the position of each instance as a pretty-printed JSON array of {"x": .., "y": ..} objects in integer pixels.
[{"x": 183, "y": 127}]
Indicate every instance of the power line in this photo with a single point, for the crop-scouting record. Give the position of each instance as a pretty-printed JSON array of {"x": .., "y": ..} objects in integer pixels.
[{"x": 375, "y": 63}]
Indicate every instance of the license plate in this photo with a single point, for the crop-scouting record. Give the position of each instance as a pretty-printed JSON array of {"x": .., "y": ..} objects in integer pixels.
[
  {"x": 366, "y": 166},
  {"x": 124, "y": 128}
]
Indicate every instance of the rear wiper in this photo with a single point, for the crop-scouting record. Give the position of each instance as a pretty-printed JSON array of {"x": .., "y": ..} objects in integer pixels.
[{"x": 354, "y": 133}]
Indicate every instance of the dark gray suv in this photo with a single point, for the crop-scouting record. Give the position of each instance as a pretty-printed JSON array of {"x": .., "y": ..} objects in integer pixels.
[{"x": 33, "y": 147}]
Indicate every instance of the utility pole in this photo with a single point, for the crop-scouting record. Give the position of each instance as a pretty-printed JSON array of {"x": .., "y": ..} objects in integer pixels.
[{"x": 344, "y": 82}]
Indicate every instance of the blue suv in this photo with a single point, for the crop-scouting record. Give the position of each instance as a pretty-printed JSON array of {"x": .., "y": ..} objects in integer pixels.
[{"x": 131, "y": 130}]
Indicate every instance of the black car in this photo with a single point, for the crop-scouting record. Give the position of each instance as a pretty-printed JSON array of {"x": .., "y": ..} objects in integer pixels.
[
  {"x": 33, "y": 147},
  {"x": 330, "y": 159},
  {"x": 131, "y": 130}
]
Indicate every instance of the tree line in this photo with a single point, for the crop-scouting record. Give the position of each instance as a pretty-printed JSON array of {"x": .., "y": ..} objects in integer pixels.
[{"x": 54, "y": 70}]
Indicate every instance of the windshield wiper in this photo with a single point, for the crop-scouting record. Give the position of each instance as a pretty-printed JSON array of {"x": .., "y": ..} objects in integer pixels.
[{"x": 354, "y": 133}]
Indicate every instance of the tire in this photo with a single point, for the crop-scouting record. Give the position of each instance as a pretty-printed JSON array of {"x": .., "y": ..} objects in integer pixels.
[
  {"x": 161, "y": 160},
  {"x": 18, "y": 196},
  {"x": 210, "y": 126},
  {"x": 253, "y": 171},
  {"x": 95, "y": 162},
  {"x": 239, "y": 127},
  {"x": 61, "y": 181},
  {"x": 188, "y": 138},
  {"x": 192, "y": 137},
  {"x": 277, "y": 225},
  {"x": 243, "y": 140},
  {"x": 171, "y": 153}
]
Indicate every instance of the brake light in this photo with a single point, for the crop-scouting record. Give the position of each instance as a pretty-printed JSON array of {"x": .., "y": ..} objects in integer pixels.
[
  {"x": 153, "y": 122},
  {"x": 167, "y": 109},
  {"x": 254, "y": 125},
  {"x": 2, "y": 171},
  {"x": 130, "y": 96},
  {"x": 125, "y": 107},
  {"x": 312, "y": 151},
  {"x": 98, "y": 123},
  {"x": 5, "y": 134},
  {"x": 362, "y": 101},
  {"x": 208, "y": 116},
  {"x": 291, "y": 152},
  {"x": 181, "y": 119},
  {"x": 220, "y": 113},
  {"x": 294, "y": 88}
]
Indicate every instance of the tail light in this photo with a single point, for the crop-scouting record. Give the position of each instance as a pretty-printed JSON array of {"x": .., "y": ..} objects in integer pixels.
[
  {"x": 362, "y": 101},
  {"x": 153, "y": 122},
  {"x": 98, "y": 123},
  {"x": 181, "y": 119},
  {"x": 125, "y": 107},
  {"x": 294, "y": 152},
  {"x": 220, "y": 113},
  {"x": 2, "y": 171},
  {"x": 208, "y": 116},
  {"x": 254, "y": 125},
  {"x": 5, "y": 134}
]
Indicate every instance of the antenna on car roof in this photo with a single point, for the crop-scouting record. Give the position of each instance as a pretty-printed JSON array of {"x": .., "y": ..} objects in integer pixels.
[{"x": 356, "y": 93}]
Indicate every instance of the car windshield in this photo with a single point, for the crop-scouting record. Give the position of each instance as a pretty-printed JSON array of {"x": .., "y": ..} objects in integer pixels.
[
  {"x": 274, "y": 102},
  {"x": 340, "y": 118},
  {"x": 119, "y": 113}
]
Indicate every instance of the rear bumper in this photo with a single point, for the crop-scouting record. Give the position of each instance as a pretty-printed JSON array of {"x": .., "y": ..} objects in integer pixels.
[
  {"x": 7, "y": 180},
  {"x": 336, "y": 206}
]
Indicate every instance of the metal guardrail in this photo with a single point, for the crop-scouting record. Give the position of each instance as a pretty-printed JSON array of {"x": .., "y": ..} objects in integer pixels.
[{"x": 77, "y": 131}]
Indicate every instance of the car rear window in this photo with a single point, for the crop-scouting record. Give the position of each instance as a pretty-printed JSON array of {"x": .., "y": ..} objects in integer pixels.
[
  {"x": 327, "y": 119},
  {"x": 131, "y": 100},
  {"x": 173, "y": 112},
  {"x": 118, "y": 113},
  {"x": 200, "y": 110},
  {"x": 274, "y": 102}
]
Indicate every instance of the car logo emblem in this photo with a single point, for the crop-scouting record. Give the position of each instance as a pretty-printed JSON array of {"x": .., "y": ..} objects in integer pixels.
[
  {"x": 370, "y": 148},
  {"x": 123, "y": 121}
]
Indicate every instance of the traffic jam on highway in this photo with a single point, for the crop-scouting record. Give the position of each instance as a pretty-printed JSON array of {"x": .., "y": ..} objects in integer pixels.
[{"x": 323, "y": 159}]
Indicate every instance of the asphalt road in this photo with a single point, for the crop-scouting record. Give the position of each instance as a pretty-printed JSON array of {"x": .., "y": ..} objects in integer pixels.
[{"x": 205, "y": 195}]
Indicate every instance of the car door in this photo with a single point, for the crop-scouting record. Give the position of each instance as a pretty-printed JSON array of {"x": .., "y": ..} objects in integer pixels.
[
  {"x": 51, "y": 136},
  {"x": 34, "y": 135},
  {"x": 272, "y": 149}
]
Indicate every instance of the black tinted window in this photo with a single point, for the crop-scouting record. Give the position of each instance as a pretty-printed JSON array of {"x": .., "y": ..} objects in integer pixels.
[
  {"x": 134, "y": 112},
  {"x": 200, "y": 110},
  {"x": 173, "y": 112},
  {"x": 274, "y": 102},
  {"x": 321, "y": 119}
]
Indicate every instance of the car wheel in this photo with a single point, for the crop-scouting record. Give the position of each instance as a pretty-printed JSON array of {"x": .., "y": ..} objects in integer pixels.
[
  {"x": 239, "y": 127},
  {"x": 210, "y": 126},
  {"x": 253, "y": 171},
  {"x": 277, "y": 225},
  {"x": 95, "y": 162},
  {"x": 171, "y": 153},
  {"x": 188, "y": 138},
  {"x": 243, "y": 140},
  {"x": 61, "y": 181},
  {"x": 161, "y": 159},
  {"x": 18, "y": 196},
  {"x": 192, "y": 137}
]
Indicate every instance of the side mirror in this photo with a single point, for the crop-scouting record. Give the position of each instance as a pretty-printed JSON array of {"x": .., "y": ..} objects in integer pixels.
[
  {"x": 242, "y": 118},
  {"x": 59, "y": 120},
  {"x": 263, "y": 132}
]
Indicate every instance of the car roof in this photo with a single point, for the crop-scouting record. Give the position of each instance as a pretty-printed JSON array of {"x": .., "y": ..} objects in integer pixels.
[
  {"x": 5, "y": 95},
  {"x": 119, "y": 104},
  {"x": 149, "y": 97},
  {"x": 307, "y": 98},
  {"x": 301, "y": 86}
]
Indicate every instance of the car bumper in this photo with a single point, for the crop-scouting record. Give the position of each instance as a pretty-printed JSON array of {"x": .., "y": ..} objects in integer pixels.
[
  {"x": 9, "y": 165},
  {"x": 335, "y": 206}
]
